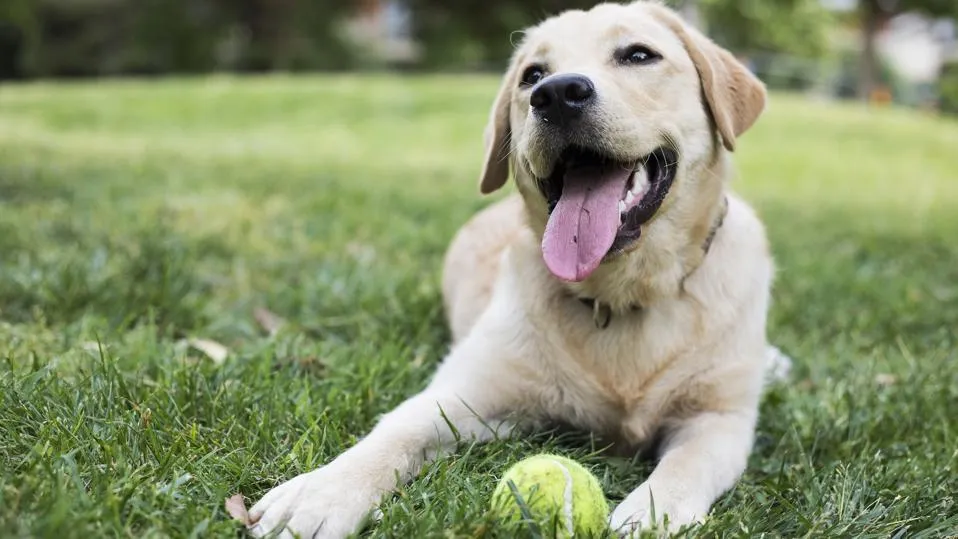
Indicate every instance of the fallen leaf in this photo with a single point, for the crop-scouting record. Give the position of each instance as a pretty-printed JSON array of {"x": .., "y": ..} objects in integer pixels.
[
  {"x": 885, "y": 379},
  {"x": 417, "y": 361},
  {"x": 213, "y": 350},
  {"x": 236, "y": 507},
  {"x": 363, "y": 253},
  {"x": 268, "y": 320},
  {"x": 146, "y": 416},
  {"x": 93, "y": 346}
]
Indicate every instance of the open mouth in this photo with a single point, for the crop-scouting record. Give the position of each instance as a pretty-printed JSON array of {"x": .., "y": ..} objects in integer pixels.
[{"x": 597, "y": 206}]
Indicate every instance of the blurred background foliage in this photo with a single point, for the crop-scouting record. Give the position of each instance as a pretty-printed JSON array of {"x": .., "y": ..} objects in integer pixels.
[
  {"x": 68, "y": 38},
  {"x": 803, "y": 45},
  {"x": 477, "y": 32},
  {"x": 948, "y": 88},
  {"x": 795, "y": 27}
]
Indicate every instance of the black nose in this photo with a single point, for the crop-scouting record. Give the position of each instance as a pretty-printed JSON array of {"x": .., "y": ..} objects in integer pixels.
[{"x": 560, "y": 99}]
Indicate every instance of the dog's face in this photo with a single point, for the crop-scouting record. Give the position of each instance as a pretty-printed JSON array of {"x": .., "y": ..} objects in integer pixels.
[{"x": 601, "y": 115}]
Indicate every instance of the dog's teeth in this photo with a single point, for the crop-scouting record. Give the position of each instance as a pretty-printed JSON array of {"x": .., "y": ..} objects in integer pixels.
[
  {"x": 629, "y": 197},
  {"x": 640, "y": 182},
  {"x": 621, "y": 206}
]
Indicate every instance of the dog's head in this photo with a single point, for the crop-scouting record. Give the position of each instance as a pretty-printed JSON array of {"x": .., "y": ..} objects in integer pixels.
[{"x": 602, "y": 115}]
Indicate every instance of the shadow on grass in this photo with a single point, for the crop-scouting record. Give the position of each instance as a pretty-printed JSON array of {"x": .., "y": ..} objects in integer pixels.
[
  {"x": 27, "y": 184},
  {"x": 147, "y": 277}
]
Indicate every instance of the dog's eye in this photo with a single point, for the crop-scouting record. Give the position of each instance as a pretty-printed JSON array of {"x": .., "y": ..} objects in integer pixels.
[
  {"x": 637, "y": 55},
  {"x": 532, "y": 75}
]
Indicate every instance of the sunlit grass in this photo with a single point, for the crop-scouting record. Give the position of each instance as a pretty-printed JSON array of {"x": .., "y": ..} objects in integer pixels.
[{"x": 136, "y": 215}]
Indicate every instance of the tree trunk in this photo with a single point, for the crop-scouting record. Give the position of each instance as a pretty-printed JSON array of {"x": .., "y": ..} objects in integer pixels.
[{"x": 872, "y": 20}]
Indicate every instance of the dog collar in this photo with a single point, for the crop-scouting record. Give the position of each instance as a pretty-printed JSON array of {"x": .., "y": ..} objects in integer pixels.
[{"x": 602, "y": 312}]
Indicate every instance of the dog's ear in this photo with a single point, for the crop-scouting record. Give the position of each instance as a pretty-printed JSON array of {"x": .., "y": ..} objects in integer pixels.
[
  {"x": 495, "y": 171},
  {"x": 735, "y": 97}
]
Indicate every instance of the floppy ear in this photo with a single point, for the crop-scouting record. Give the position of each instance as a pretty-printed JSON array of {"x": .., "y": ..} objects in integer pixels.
[
  {"x": 495, "y": 171},
  {"x": 735, "y": 96}
]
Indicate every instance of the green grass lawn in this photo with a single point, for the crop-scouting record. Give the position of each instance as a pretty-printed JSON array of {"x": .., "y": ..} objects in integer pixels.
[{"x": 135, "y": 216}]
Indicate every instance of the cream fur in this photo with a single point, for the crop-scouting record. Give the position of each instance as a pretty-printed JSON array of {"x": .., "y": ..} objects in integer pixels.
[{"x": 687, "y": 368}]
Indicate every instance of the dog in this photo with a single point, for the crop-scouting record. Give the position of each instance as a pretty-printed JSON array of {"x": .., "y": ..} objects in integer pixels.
[{"x": 623, "y": 289}]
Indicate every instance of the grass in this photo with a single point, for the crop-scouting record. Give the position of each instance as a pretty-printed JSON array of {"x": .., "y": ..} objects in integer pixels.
[{"x": 134, "y": 216}]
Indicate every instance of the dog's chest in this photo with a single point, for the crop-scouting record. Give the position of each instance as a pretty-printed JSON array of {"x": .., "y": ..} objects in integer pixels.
[{"x": 621, "y": 379}]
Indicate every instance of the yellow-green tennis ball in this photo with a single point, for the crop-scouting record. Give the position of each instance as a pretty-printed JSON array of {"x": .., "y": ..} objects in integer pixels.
[{"x": 556, "y": 494}]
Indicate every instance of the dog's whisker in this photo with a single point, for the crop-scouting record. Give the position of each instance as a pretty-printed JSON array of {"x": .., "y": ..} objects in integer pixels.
[
  {"x": 508, "y": 155},
  {"x": 504, "y": 150}
]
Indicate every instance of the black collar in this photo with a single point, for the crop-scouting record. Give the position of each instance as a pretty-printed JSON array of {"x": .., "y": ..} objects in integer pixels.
[{"x": 602, "y": 313}]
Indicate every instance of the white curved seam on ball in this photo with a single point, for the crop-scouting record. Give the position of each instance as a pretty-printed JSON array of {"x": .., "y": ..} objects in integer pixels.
[{"x": 567, "y": 499}]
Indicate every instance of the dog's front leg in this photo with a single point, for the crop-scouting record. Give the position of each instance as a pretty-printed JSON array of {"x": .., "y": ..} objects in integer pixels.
[
  {"x": 702, "y": 458},
  {"x": 462, "y": 402}
]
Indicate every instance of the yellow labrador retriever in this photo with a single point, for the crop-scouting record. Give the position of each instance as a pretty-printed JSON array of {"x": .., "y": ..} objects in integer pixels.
[{"x": 624, "y": 290}]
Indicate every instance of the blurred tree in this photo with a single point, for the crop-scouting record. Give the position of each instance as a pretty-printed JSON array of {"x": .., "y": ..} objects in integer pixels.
[
  {"x": 163, "y": 36},
  {"x": 477, "y": 33},
  {"x": 289, "y": 34},
  {"x": 17, "y": 25},
  {"x": 72, "y": 38},
  {"x": 794, "y": 27},
  {"x": 874, "y": 15},
  {"x": 948, "y": 87},
  {"x": 104, "y": 37}
]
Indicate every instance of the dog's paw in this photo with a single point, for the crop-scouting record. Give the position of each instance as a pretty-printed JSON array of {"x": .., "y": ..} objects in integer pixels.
[
  {"x": 321, "y": 504},
  {"x": 641, "y": 512}
]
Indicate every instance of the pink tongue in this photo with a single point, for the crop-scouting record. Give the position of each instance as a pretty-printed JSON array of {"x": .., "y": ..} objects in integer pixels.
[{"x": 583, "y": 224}]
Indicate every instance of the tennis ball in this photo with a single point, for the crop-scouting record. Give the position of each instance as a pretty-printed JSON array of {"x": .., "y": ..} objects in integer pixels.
[{"x": 557, "y": 494}]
